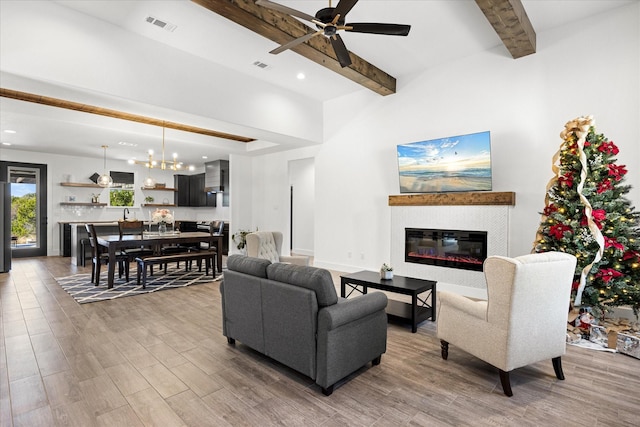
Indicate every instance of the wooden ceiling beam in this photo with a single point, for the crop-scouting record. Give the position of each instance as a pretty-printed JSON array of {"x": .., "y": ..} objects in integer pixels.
[
  {"x": 282, "y": 28},
  {"x": 510, "y": 21},
  {"x": 86, "y": 108}
]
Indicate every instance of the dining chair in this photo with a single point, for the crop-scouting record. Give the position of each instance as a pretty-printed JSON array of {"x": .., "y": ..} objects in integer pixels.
[
  {"x": 134, "y": 228},
  {"x": 99, "y": 257}
]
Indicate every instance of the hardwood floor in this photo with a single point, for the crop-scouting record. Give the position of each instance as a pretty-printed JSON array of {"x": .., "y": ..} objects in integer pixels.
[{"x": 161, "y": 360}]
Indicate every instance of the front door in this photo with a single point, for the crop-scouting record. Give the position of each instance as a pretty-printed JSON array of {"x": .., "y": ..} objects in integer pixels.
[{"x": 28, "y": 207}]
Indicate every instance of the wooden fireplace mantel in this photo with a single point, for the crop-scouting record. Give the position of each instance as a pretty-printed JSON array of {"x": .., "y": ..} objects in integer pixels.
[{"x": 507, "y": 198}]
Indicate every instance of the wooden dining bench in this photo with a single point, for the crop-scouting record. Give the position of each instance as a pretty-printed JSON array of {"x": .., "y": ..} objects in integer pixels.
[{"x": 209, "y": 256}]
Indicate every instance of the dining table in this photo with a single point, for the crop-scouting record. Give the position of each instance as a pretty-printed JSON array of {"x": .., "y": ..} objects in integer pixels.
[{"x": 115, "y": 243}]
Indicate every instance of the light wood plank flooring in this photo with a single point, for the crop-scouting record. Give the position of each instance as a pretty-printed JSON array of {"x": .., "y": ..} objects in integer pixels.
[{"x": 161, "y": 360}]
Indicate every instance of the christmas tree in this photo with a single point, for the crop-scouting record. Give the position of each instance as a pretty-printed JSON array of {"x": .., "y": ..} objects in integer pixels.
[{"x": 586, "y": 214}]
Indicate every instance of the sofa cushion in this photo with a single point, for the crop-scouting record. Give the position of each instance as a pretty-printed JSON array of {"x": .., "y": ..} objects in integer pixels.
[
  {"x": 248, "y": 265},
  {"x": 316, "y": 279}
]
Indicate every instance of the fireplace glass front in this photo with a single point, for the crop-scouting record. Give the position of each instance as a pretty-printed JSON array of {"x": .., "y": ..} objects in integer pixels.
[{"x": 466, "y": 250}]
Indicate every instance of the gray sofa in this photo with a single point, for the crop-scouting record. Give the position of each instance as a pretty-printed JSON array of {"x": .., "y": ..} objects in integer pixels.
[{"x": 292, "y": 314}]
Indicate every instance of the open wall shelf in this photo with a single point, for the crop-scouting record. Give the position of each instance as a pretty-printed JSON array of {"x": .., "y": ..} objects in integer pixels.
[
  {"x": 98, "y": 205},
  {"x": 158, "y": 189},
  {"x": 79, "y": 184}
]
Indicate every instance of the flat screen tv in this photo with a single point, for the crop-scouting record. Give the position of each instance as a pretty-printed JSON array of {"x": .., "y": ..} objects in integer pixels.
[{"x": 456, "y": 163}]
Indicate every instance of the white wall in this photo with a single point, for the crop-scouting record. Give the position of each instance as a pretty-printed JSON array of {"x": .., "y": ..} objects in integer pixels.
[
  {"x": 60, "y": 167},
  {"x": 260, "y": 191},
  {"x": 590, "y": 67}
]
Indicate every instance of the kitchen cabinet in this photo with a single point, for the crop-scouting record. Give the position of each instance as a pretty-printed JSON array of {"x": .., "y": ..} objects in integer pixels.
[
  {"x": 190, "y": 191},
  {"x": 197, "y": 196}
]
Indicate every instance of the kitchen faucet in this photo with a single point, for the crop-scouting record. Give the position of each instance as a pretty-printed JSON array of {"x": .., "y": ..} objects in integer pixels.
[{"x": 124, "y": 214}]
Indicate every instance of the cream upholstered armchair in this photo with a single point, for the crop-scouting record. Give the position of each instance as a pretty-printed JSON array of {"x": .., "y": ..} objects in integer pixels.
[
  {"x": 267, "y": 245},
  {"x": 524, "y": 319}
]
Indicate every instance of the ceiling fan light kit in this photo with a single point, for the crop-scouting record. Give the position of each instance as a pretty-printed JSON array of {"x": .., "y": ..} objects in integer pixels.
[{"x": 329, "y": 21}]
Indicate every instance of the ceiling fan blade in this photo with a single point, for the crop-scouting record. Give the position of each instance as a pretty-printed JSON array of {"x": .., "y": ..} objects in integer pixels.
[
  {"x": 295, "y": 42},
  {"x": 280, "y": 8},
  {"x": 343, "y": 7},
  {"x": 341, "y": 51},
  {"x": 374, "y": 28}
]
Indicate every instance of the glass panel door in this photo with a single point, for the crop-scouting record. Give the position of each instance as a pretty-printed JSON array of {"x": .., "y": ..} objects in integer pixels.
[{"x": 28, "y": 209}]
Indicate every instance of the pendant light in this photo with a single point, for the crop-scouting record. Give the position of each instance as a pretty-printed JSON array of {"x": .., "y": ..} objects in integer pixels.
[
  {"x": 105, "y": 179},
  {"x": 149, "y": 182}
]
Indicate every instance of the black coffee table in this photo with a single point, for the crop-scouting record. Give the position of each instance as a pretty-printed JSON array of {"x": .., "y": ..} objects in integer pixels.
[{"x": 400, "y": 285}]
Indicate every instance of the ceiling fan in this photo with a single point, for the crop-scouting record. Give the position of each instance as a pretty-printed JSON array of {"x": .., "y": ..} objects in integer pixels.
[{"x": 329, "y": 21}]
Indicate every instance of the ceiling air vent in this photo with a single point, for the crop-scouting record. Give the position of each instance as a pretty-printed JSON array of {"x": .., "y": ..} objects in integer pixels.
[
  {"x": 162, "y": 24},
  {"x": 260, "y": 64}
]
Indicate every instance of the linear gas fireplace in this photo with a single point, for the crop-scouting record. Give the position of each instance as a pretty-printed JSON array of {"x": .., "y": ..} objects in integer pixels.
[{"x": 466, "y": 250}]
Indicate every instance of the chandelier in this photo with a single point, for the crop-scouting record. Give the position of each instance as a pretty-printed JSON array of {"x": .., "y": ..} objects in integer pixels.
[{"x": 151, "y": 163}]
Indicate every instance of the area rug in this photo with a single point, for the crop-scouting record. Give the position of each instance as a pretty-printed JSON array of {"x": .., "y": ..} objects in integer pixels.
[{"x": 79, "y": 286}]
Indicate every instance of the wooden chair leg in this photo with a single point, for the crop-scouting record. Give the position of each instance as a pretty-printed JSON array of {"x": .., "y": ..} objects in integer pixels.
[
  {"x": 506, "y": 383},
  {"x": 98, "y": 265},
  {"x": 93, "y": 272},
  {"x": 139, "y": 272},
  {"x": 444, "y": 349},
  {"x": 144, "y": 277},
  {"x": 557, "y": 367}
]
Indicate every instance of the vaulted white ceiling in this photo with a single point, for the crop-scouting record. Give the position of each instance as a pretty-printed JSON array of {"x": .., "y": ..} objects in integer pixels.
[{"x": 442, "y": 31}]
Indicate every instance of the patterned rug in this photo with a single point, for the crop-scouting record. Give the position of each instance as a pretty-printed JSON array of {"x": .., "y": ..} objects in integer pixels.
[{"x": 79, "y": 286}]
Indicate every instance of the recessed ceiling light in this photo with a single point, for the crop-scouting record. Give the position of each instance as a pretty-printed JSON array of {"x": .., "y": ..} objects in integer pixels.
[
  {"x": 204, "y": 157},
  {"x": 300, "y": 76},
  {"x": 9, "y": 131},
  {"x": 6, "y": 143},
  {"x": 127, "y": 144}
]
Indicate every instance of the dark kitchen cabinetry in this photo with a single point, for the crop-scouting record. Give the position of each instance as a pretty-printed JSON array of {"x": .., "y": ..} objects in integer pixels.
[
  {"x": 197, "y": 196},
  {"x": 181, "y": 183},
  {"x": 190, "y": 191}
]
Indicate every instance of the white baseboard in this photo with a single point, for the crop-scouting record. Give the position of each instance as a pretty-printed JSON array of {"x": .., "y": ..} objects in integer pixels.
[{"x": 306, "y": 252}]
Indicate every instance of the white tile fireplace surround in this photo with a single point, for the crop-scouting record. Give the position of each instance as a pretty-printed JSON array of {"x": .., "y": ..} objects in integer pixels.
[{"x": 428, "y": 211}]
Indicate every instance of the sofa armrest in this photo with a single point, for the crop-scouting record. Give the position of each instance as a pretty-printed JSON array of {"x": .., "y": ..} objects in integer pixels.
[
  {"x": 477, "y": 309},
  {"x": 348, "y": 310}
]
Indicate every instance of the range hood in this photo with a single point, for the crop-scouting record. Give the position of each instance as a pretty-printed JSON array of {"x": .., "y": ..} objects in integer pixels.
[{"x": 216, "y": 176}]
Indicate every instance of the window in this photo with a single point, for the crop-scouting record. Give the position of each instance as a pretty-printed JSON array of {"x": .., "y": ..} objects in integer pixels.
[{"x": 122, "y": 194}]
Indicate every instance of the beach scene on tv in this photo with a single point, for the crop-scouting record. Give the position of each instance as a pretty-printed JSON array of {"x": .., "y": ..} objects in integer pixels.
[{"x": 457, "y": 163}]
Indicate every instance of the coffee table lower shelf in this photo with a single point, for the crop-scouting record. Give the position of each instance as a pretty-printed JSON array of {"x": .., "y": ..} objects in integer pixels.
[{"x": 402, "y": 311}]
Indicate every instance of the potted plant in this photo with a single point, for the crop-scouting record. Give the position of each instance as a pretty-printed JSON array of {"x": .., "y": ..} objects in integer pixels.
[
  {"x": 240, "y": 239},
  {"x": 386, "y": 272},
  {"x": 149, "y": 199}
]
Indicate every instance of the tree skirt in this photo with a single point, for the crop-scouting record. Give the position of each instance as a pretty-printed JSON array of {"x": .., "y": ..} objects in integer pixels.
[{"x": 79, "y": 286}]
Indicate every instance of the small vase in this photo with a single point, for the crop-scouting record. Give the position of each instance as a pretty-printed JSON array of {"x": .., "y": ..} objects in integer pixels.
[
  {"x": 386, "y": 275},
  {"x": 162, "y": 228}
]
